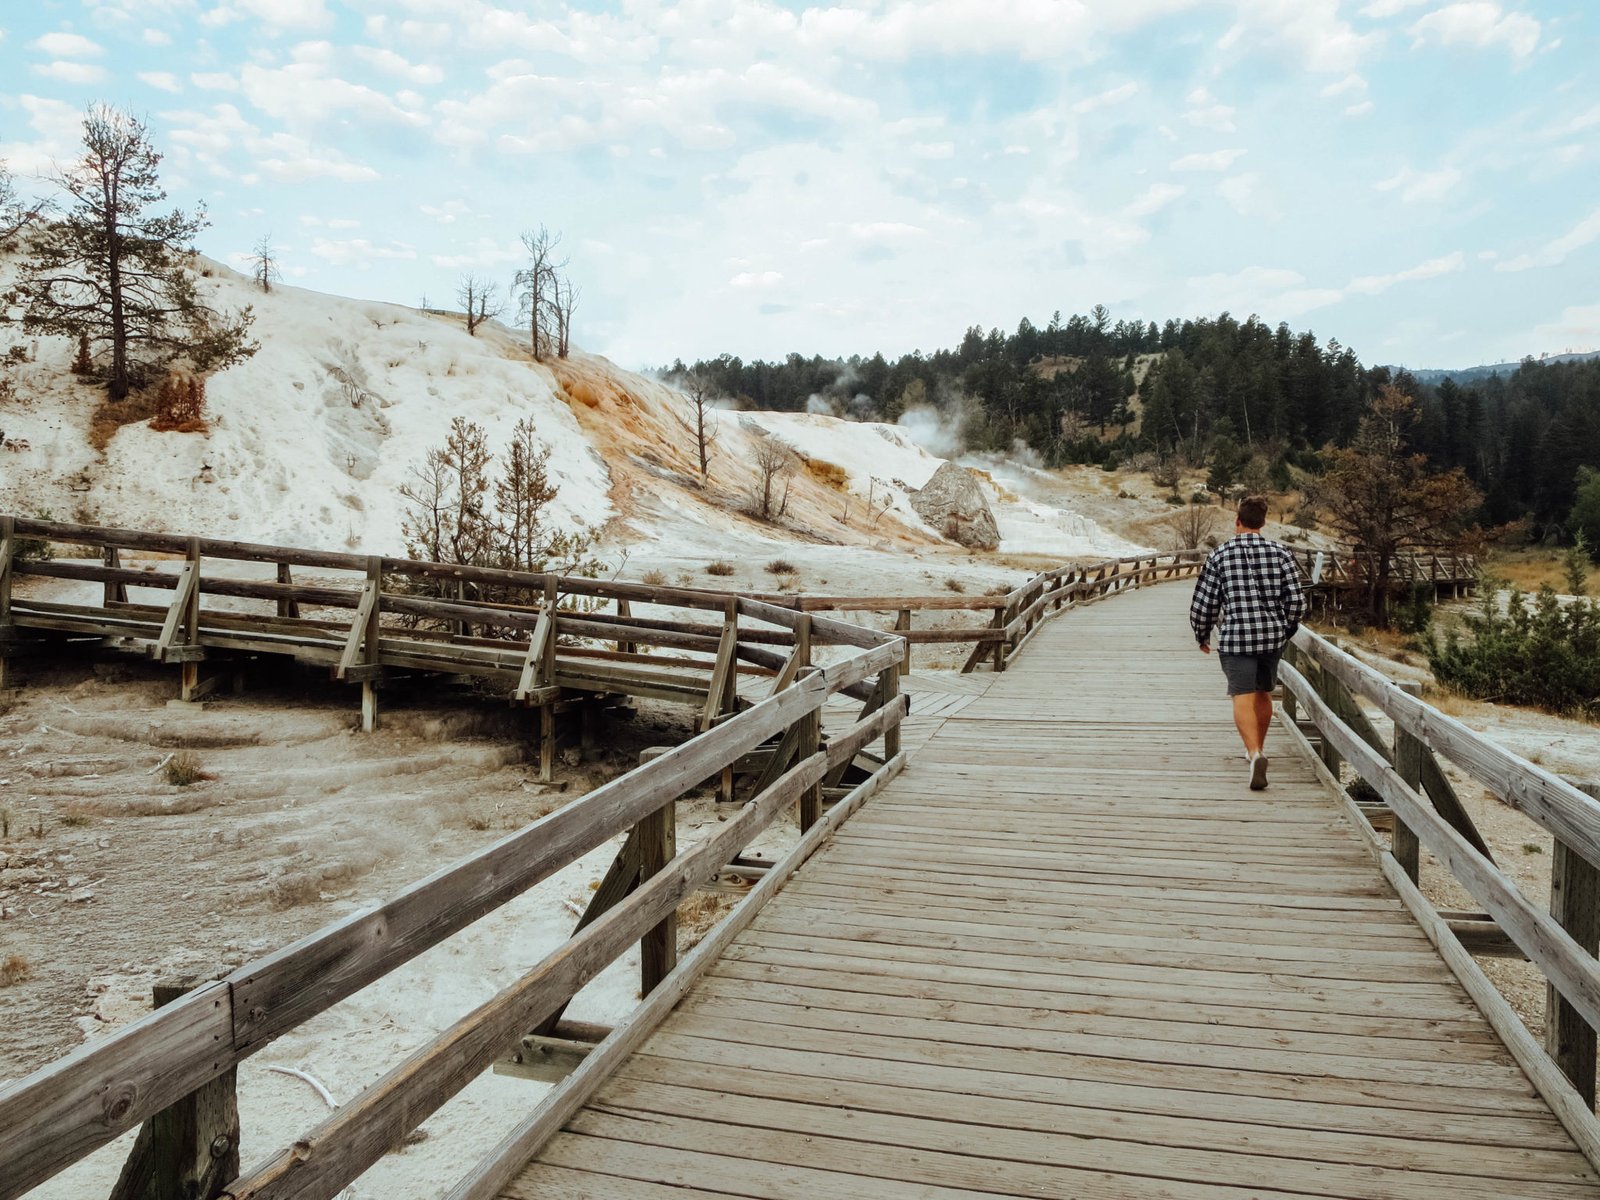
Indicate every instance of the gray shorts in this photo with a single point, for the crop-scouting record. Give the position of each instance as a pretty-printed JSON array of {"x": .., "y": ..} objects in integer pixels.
[{"x": 1248, "y": 673}]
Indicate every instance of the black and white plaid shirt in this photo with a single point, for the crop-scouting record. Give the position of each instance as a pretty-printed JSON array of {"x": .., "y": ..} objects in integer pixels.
[{"x": 1252, "y": 587}]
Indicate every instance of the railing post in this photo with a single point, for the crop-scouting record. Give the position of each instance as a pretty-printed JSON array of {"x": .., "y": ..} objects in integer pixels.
[
  {"x": 889, "y": 681},
  {"x": 624, "y": 609},
  {"x": 1408, "y": 754},
  {"x": 189, "y": 1150},
  {"x": 1575, "y": 904},
  {"x": 810, "y": 726},
  {"x": 191, "y": 626},
  {"x": 369, "y": 648},
  {"x": 902, "y": 624},
  {"x": 658, "y": 845},
  {"x": 547, "y": 677},
  {"x": 288, "y": 606},
  {"x": 115, "y": 591},
  {"x": 8, "y": 551}
]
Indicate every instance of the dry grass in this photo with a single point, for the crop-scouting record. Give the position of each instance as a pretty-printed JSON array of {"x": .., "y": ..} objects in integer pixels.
[
  {"x": 655, "y": 578},
  {"x": 954, "y": 585},
  {"x": 14, "y": 969},
  {"x": 184, "y": 768},
  {"x": 699, "y": 914},
  {"x": 1531, "y": 569},
  {"x": 782, "y": 566},
  {"x": 719, "y": 567},
  {"x": 112, "y": 415}
]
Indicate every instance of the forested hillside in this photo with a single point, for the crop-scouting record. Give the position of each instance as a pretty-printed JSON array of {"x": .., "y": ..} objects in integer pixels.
[{"x": 1249, "y": 400}]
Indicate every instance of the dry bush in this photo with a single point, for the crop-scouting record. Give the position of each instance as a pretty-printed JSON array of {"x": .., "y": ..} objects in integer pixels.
[
  {"x": 781, "y": 566},
  {"x": 699, "y": 915},
  {"x": 180, "y": 404},
  {"x": 720, "y": 567},
  {"x": 112, "y": 415},
  {"x": 14, "y": 969},
  {"x": 655, "y": 578},
  {"x": 1189, "y": 529},
  {"x": 954, "y": 585},
  {"x": 184, "y": 768}
]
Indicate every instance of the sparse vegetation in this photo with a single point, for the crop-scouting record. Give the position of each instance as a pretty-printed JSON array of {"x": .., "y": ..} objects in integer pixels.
[
  {"x": 781, "y": 566},
  {"x": 1538, "y": 651},
  {"x": 185, "y": 768},
  {"x": 953, "y": 584},
  {"x": 1192, "y": 527},
  {"x": 654, "y": 578},
  {"x": 14, "y": 969},
  {"x": 720, "y": 567}
]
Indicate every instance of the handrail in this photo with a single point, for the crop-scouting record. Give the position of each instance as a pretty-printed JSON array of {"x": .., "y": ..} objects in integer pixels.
[
  {"x": 1323, "y": 684},
  {"x": 66, "y": 1109}
]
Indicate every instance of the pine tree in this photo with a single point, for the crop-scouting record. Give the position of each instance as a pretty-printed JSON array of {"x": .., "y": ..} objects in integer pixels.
[{"x": 117, "y": 272}]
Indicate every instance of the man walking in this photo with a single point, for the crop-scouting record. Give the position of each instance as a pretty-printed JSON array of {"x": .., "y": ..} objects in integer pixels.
[{"x": 1250, "y": 586}]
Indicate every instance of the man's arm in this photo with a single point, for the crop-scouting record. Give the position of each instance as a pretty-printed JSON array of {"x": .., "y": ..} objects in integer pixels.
[
  {"x": 1294, "y": 596},
  {"x": 1206, "y": 606}
]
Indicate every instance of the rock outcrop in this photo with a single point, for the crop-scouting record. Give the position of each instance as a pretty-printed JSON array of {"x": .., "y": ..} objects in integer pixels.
[{"x": 953, "y": 503}]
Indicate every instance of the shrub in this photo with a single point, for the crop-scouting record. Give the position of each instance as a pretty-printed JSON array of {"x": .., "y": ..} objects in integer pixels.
[
  {"x": 184, "y": 768},
  {"x": 14, "y": 969},
  {"x": 1538, "y": 652},
  {"x": 782, "y": 566},
  {"x": 1414, "y": 614},
  {"x": 954, "y": 585},
  {"x": 180, "y": 404},
  {"x": 720, "y": 567},
  {"x": 655, "y": 578},
  {"x": 35, "y": 549}
]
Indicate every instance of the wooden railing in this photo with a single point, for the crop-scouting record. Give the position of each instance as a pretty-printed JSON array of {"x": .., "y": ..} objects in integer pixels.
[
  {"x": 1353, "y": 570},
  {"x": 1322, "y": 684},
  {"x": 158, "y": 1066},
  {"x": 1013, "y": 614}
]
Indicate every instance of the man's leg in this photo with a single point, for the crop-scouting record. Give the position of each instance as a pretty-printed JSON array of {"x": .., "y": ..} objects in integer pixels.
[
  {"x": 1263, "y": 716},
  {"x": 1246, "y": 716}
]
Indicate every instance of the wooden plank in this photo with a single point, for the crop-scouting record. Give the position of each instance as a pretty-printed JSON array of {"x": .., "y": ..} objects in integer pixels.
[
  {"x": 326, "y": 1158},
  {"x": 496, "y": 1170},
  {"x": 1575, "y": 906}
]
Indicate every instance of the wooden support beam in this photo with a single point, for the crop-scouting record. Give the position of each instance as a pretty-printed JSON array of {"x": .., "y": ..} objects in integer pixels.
[
  {"x": 189, "y": 1150},
  {"x": 902, "y": 625},
  {"x": 891, "y": 695},
  {"x": 1407, "y": 758},
  {"x": 809, "y": 741},
  {"x": 536, "y": 660},
  {"x": 1575, "y": 905},
  {"x": 115, "y": 591},
  {"x": 658, "y": 845},
  {"x": 288, "y": 606}
]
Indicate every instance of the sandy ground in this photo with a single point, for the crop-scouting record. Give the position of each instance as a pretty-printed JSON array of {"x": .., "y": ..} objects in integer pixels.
[{"x": 112, "y": 879}]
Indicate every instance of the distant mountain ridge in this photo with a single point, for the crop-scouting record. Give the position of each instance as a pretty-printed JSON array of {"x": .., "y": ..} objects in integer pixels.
[{"x": 1435, "y": 376}]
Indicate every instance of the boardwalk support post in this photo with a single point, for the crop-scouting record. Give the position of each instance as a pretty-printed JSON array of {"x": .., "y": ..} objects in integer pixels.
[
  {"x": 1575, "y": 904},
  {"x": 658, "y": 845},
  {"x": 189, "y": 1150}
]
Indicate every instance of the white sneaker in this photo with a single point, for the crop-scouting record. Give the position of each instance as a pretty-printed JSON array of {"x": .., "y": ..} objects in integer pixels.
[{"x": 1258, "y": 773}]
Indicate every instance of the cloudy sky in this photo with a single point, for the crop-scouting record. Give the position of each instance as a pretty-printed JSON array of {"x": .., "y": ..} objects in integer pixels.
[{"x": 1417, "y": 178}]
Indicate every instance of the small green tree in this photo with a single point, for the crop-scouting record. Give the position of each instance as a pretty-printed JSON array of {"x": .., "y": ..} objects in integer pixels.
[
  {"x": 116, "y": 272},
  {"x": 1584, "y": 520},
  {"x": 1575, "y": 566},
  {"x": 1542, "y": 652}
]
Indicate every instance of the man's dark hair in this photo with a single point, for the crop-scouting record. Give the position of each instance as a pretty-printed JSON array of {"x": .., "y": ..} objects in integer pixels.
[{"x": 1253, "y": 512}]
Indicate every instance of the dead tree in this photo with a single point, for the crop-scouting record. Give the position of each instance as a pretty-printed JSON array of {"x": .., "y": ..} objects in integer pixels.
[
  {"x": 774, "y": 462},
  {"x": 264, "y": 264},
  {"x": 702, "y": 422},
  {"x": 480, "y": 299},
  {"x": 566, "y": 303},
  {"x": 537, "y": 285},
  {"x": 1191, "y": 526},
  {"x": 15, "y": 214}
]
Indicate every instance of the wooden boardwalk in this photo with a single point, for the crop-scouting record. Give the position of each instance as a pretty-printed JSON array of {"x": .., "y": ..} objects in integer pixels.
[{"x": 1067, "y": 954}]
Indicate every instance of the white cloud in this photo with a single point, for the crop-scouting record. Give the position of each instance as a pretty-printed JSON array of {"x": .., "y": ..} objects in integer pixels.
[
  {"x": 161, "y": 80},
  {"x": 1365, "y": 108},
  {"x": 1216, "y": 160},
  {"x": 1245, "y": 194},
  {"x": 157, "y": 37},
  {"x": 448, "y": 212},
  {"x": 1207, "y": 112},
  {"x": 359, "y": 253},
  {"x": 1480, "y": 23},
  {"x": 1379, "y": 9},
  {"x": 277, "y": 15},
  {"x": 485, "y": 252},
  {"x": 1313, "y": 29},
  {"x": 73, "y": 72},
  {"x": 390, "y": 63},
  {"x": 1116, "y": 95},
  {"x": 1156, "y": 197},
  {"x": 67, "y": 45},
  {"x": 1422, "y": 187},
  {"x": 1576, "y": 330},
  {"x": 1555, "y": 252},
  {"x": 756, "y": 280},
  {"x": 1350, "y": 85},
  {"x": 1372, "y": 285}
]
